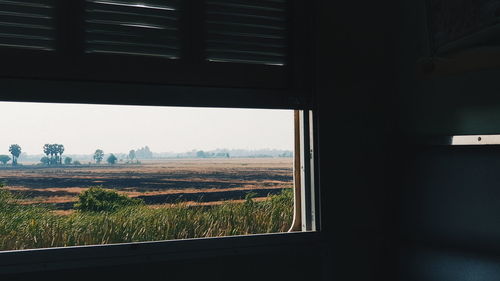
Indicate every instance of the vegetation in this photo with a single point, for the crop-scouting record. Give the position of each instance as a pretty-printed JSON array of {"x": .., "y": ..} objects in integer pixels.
[
  {"x": 111, "y": 159},
  {"x": 15, "y": 150},
  {"x": 68, "y": 160},
  {"x": 45, "y": 160},
  {"x": 98, "y": 156},
  {"x": 143, "y": 153},
  {"x": 131, "y": 155},
  {"x": 27, "y": 227},
  {"x": 55, "y": 151},
  {"x": 98, "y": 199},
  {"x": 4, "y": 159}
]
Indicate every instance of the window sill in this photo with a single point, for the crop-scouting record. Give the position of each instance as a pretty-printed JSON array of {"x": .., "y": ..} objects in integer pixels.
[{"x": 50, "y": 259}]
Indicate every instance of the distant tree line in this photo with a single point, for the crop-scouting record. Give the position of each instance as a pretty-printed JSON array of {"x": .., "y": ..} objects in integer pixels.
[
  {"x": 54, "y": 155},
  {"x": 143, "y": 153}
]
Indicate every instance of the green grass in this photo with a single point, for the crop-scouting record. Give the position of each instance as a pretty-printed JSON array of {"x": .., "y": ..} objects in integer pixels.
[{"x": 28, "y": 227}]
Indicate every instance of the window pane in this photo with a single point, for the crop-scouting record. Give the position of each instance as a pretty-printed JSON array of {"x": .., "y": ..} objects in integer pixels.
[{"x": 97, "y": 174}]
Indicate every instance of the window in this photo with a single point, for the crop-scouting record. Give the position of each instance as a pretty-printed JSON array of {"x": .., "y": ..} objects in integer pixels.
[
  {"x": 78, "y": 174},
  {"x": 80, "y": 64}
]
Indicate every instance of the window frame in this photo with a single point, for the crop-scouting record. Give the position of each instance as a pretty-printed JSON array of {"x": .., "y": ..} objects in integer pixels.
[
  {"x": 307, "y": 235},
  {"x": 28, "y": 90},
  {"x": 81, "y": 257}
]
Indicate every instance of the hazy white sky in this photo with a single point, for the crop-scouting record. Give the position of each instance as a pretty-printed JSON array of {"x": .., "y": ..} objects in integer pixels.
[{"x": 84, "y": 128}]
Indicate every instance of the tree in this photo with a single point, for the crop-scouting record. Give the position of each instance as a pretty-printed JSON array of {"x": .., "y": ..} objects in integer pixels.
[
  {"x": 59, "y": 148},
  {"x": 112, "y": 159},
  {"x": 131, "y": 155},
  {"x": 4, "y": 159},
  {"x": 67, "y": 161},
  {"x": 144, "y": 153},
  {"x": 47, "y": 151},
  {"x": 55, "y": 151},
  {"x": 98, "y": 156},
  {"x": 15, "y": 150}
]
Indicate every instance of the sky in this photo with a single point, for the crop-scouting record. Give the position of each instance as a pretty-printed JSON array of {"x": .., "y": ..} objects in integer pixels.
[{"x": 84, "y": 128}]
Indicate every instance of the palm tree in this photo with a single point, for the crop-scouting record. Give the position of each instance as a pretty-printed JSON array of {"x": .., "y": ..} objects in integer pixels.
[
  {"x": 15, "y": 150},
  {"x": 47, "y": 151},
  {"x": 60, "y": 150},
  {"x": 53, "y": 151}
]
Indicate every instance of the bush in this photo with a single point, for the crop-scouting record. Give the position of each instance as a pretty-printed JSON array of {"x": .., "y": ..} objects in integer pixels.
[
  {"x": 4, "y": 159},
  {"x": 67, "y": 161},
  {"x": 98, "y": 199},
  {"x": 112, "y": 159},
  {"x": 45, "y": 160}
]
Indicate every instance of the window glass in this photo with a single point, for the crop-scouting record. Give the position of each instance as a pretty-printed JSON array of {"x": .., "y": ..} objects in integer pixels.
[{"x": 75, "y": 174}]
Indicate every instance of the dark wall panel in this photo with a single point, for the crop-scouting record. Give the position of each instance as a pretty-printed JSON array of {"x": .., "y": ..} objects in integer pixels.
[
  {"x": 355, "y": 88},
  {"x": 450, "y": 213}
]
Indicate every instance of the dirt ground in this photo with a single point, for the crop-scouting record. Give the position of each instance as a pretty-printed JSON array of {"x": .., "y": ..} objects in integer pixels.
[{"x": 202, "y": 181}]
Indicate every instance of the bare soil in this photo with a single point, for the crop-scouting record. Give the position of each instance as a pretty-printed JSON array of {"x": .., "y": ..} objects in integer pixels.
[{"x": 199, "y": 181}]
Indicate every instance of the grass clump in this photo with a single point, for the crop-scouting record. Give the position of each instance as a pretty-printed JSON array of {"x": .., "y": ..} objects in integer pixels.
[{"x": 98, "y": 199}]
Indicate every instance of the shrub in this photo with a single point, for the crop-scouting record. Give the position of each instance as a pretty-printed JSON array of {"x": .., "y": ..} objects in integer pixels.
[
  {"x": 76, "y": 162},
  {"x": 98, "y": 199},
  {"x": 45, "y": 160},
  {"x": 67, "y": 161},
  {"x": 4, "y": 159},
  {"x": 112, "y": 159}
]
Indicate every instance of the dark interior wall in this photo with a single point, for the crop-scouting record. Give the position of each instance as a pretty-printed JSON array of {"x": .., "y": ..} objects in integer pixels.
[
  {"x": 355, "y": 87},
  {"x": 452, "y": 197},
  {"x": 450, "y": 214},
  {"x": 434, "y": 104},
  {"x": 449, "y": 209}
]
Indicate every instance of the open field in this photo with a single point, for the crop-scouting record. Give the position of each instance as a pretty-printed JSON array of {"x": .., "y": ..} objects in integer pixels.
[
  {"x": 199, "y": 181},
  {"x": 184, "y": 199}
]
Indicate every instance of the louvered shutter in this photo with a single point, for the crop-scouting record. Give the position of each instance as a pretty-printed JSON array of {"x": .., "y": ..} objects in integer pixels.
[
  {"x": 27, "y": 24},
  {"x": 246, "y": 31},
  {"x": 215, "y": 43},
  {"x": 145, "y": 28}
]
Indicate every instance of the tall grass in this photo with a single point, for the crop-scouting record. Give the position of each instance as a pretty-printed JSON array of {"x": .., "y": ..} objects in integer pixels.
[{"x": 28, "y": 227}]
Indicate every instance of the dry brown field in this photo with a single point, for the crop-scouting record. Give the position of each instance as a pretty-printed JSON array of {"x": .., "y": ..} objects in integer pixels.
[{"x": 198, "y": 181}]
